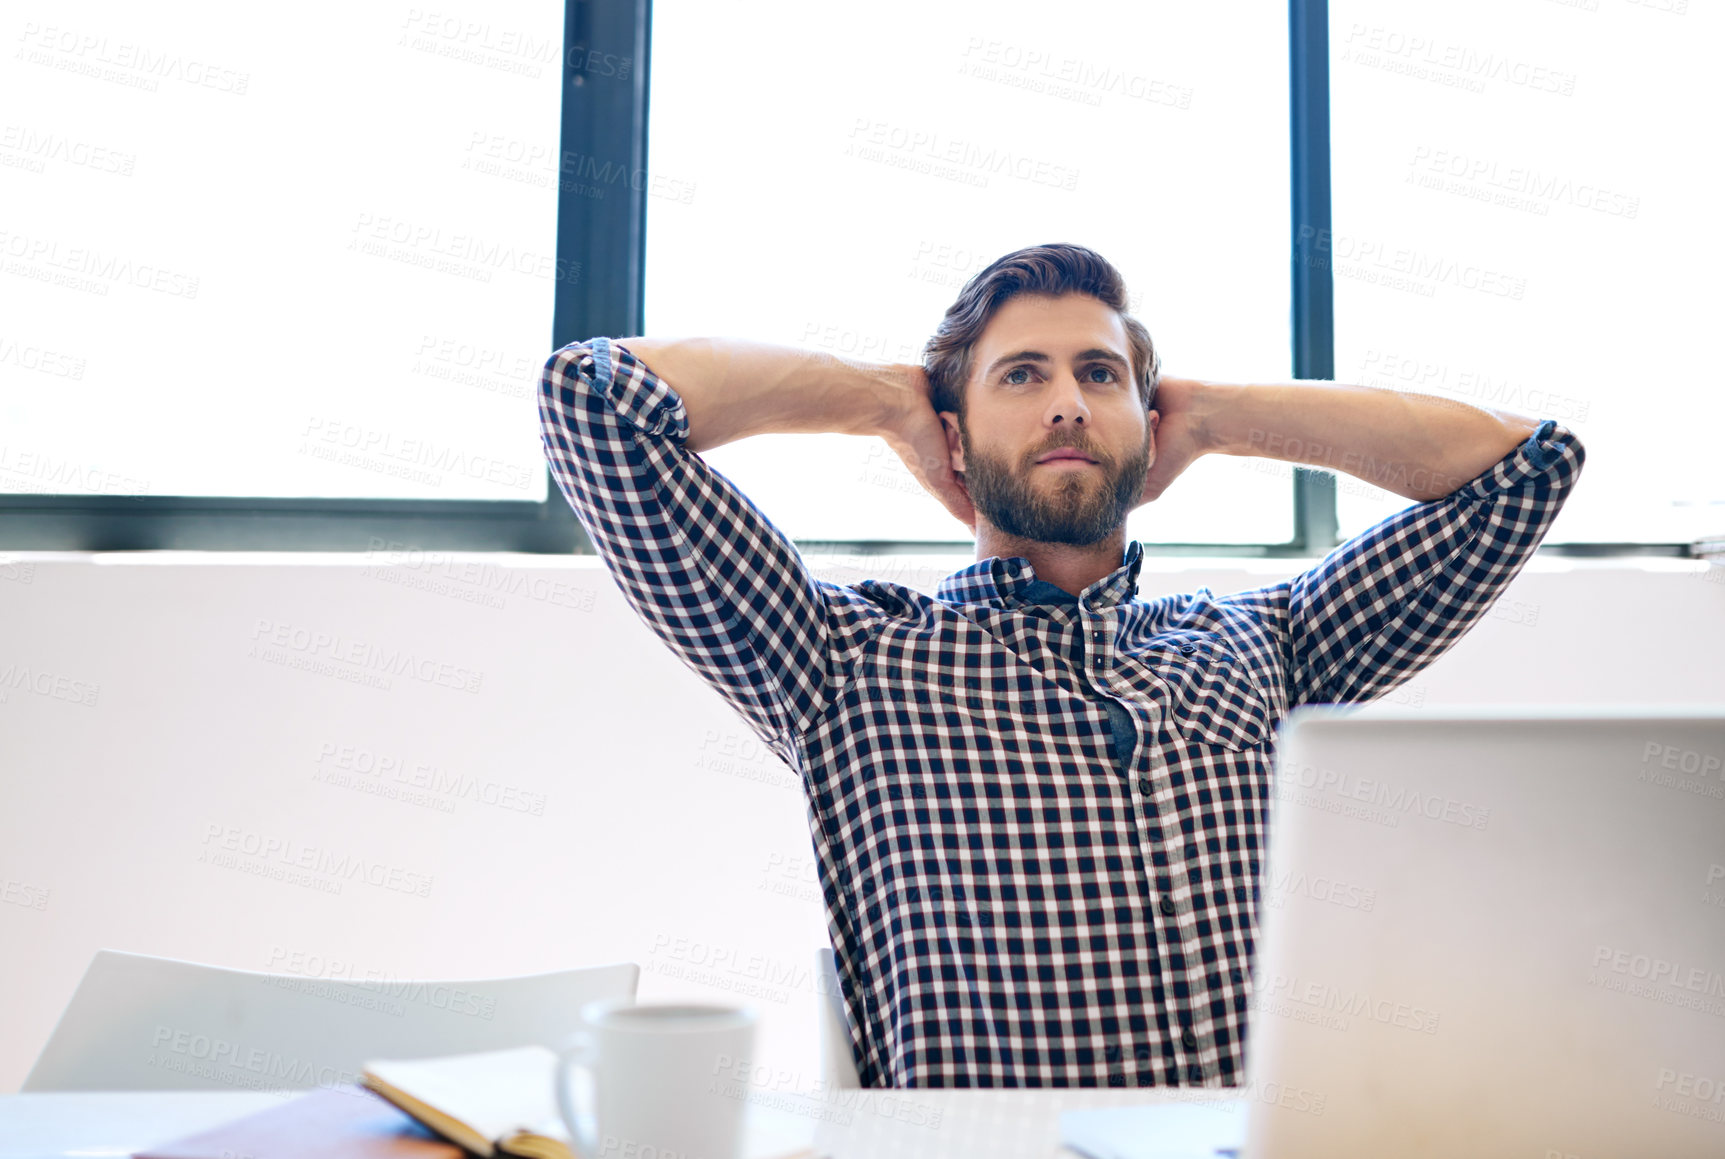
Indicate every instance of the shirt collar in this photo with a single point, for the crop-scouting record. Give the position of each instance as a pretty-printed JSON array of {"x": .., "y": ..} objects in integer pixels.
[{"x": 1008, "y": 581}]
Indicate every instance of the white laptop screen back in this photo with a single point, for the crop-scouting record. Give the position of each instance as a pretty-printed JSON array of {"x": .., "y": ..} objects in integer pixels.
[{"x": 1493, "y": 933}]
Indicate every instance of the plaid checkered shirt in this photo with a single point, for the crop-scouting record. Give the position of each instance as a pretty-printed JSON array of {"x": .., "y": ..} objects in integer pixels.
[{"x": 1019, "y": 892}]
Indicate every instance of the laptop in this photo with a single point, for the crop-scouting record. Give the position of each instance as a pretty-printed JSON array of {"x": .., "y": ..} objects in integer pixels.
[
  {"x": 1493, "y": 932},
  {"x": 1482, "y": 932}
]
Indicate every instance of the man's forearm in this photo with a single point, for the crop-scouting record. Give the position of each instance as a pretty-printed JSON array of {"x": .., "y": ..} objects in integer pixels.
[
  {"x": 734, "y": 388},
  {"x": 1418, "y": 446}
]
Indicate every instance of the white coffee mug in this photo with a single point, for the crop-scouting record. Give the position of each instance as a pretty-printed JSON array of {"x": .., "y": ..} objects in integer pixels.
[{"x": 660, "y": 1089}]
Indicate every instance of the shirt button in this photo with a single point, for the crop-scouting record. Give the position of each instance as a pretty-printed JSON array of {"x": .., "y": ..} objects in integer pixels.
[
  {"x": 1187, "y": 649},
  {"x": 1167, "y": 905},
  {"x": 1189, "y": 1040}
]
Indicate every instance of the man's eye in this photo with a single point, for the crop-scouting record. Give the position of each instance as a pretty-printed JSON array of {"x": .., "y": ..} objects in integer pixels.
[
  {"x": 1107, "y": 370},
  {"x": 1017, "y": 370}
]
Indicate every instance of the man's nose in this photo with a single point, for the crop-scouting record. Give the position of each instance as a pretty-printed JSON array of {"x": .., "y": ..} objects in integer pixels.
[{"x": 1066, "y": 402}]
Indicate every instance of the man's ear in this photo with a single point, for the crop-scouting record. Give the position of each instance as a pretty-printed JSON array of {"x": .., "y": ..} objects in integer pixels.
[{"x": 954, "y": 445}]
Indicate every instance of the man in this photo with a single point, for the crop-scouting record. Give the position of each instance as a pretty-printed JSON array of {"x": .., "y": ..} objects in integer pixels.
[{"x": 1038, "y": 803}]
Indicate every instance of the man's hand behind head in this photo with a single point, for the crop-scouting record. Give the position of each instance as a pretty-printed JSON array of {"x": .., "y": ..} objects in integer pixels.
[
  {"x": 1179, "y": 436},
  {"x": 915, "y": 433}
]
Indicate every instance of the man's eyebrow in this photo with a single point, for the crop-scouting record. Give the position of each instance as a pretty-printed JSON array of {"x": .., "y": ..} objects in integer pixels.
[
  {"x": 1101, "y": 354},
  {"x": 1094, "y": 354}
]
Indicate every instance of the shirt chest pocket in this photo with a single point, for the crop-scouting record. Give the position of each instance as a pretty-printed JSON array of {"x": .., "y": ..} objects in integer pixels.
[{"x": 1211, "y": 697}]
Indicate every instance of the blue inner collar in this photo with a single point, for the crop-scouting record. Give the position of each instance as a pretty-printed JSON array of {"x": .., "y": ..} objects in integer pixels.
[{"x": 1042, "y": 592}]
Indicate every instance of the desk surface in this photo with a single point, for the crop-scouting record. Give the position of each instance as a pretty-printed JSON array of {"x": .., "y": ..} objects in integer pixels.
[{"x": 910, "y": 1124}]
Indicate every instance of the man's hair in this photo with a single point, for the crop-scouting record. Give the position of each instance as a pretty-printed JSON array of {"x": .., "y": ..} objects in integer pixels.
[{"x": 1042, "y": 269}]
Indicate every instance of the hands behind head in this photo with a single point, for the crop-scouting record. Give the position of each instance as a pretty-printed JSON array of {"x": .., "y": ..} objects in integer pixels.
[
  {"x": 1178, "y": 438},
  {"x": 918, "y": 436}
]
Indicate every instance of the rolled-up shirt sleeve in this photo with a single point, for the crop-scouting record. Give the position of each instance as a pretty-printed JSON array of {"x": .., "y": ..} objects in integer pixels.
[
  {"x": 1386, "y": 604},
  {"x": 712, "y": 577}
]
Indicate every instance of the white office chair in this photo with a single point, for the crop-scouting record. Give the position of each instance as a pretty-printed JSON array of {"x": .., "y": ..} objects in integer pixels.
[
  {"x": 838, "y": 1065},
  {"x": 140, "y": 1023}
]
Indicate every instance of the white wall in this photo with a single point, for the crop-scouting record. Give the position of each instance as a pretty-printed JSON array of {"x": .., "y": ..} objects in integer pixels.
[{"x": 605, "y": 805}]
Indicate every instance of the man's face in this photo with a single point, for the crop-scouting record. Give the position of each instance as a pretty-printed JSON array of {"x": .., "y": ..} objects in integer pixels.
[{"x": 1051, "y": 374}]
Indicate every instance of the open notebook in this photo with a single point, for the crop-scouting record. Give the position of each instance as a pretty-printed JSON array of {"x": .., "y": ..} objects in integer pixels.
[{"x": 502, "y": 1102}]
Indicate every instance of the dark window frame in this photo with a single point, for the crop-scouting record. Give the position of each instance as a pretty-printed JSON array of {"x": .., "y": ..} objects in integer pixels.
[{"x": 601, "y": 252}]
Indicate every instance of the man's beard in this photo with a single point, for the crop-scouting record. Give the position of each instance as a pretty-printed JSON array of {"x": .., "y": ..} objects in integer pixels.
[{"x": 1074, "y": 510}]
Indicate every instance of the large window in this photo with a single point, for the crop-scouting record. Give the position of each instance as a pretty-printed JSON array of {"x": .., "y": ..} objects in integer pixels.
[
  {"x": 310, "y": 256},
  {"x": 289, "y": 282},
  {"x": 1524, "y": 219}
]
